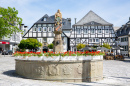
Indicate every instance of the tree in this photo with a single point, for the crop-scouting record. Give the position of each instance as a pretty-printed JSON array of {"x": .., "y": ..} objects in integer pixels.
[
  {"x": 50, "y": 46},
  {"x": 106, "y": 45},
  {"x": 32, "y": 43},
  {"x": 22, "y": 44},
  {"x": 29, "y": 44},
  {"x": 9, "y": 21},
  {"x": 80, "y": 46}
]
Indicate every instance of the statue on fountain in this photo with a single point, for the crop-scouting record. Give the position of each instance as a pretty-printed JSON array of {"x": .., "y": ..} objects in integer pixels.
[{"x": 58, "y": 43}]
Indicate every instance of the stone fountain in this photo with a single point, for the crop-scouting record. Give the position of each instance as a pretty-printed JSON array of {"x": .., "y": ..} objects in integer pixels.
[{"x": 88, "y": 70}]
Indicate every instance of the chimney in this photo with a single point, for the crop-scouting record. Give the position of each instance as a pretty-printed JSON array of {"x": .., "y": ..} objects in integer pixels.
[
  {"x": 69, "y": 19},
  {"x": 25, "y": 29},
  {"x": 75, "y": 20},
  {"x": 22, "y": 27}
]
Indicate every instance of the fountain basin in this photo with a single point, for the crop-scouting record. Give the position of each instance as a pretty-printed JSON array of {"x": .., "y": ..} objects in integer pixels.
[{"x": 63, "y": 71}]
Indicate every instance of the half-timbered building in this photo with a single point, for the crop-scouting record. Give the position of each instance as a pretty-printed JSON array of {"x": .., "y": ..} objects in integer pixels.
[
  {"x": 123, "y": 34},
  {"x": 43, "y": 31},
  {"x": 91, "y": 30}
]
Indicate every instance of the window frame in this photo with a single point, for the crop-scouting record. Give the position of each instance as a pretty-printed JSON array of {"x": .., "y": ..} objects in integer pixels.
[{"x": 43, "y": 29}]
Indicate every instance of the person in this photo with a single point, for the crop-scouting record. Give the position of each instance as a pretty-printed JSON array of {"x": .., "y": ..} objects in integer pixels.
[{"x": 2, "y": 50}]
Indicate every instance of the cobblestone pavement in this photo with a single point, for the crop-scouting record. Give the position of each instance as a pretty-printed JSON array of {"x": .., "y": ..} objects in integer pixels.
[{"x": 116, "y": 73}]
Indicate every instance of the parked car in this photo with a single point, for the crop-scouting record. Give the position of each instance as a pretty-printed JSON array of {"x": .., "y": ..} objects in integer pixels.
[{"x": 9, "y": 52}]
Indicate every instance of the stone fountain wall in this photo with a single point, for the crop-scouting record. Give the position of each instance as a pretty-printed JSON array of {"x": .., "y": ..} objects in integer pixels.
[{"x": 63, "y": 71}]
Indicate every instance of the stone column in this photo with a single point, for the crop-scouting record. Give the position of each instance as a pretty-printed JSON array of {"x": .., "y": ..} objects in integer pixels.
[{"x": 58, "y": 44}]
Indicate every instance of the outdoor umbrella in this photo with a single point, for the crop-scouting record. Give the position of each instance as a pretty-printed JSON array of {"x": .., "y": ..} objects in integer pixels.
[
  {"x": 87, "y": 48},
  {"x": 116, "y": 48},
  {"x": 102, "y": 49}
]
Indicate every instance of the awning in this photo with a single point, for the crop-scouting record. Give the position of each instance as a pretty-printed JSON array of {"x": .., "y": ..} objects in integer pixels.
[{"x": 4, "y": 42}]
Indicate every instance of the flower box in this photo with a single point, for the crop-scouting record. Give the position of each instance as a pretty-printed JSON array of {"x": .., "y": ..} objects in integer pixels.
[
  {"x": 83, "y": 57},
  {"x": 54, "y": 58},
  {"x": 68, "y": 58}
]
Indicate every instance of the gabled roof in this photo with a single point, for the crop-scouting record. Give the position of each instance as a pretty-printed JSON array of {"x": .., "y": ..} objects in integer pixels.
[
  {"x": 91, "y": 16},
  {"x": 48, "y": 19}
]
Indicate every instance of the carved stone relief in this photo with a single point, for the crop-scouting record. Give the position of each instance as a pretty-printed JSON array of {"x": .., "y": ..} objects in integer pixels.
[
  {"x": 79, "y": 69},
  {"x": 67, "y": 70},
  {"x": 53, "y": 70}
]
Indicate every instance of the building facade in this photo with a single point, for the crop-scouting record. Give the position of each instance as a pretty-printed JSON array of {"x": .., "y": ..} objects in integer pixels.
[
  {"x": 43, "y": 30},
  {"x": 13, "y": 40},
  {"x": 123, "y": 34},
  {"x": 92, "y": 30}
]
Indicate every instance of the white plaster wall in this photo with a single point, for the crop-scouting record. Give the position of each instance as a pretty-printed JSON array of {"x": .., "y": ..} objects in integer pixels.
[
  {"x": 50, "y": 40},
  {"x": 67, "y": 33},
  {"x": 65, "y": 44}
]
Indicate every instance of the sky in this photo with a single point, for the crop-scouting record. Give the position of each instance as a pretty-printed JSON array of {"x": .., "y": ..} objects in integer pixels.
[{"x": 116, "y": 12}]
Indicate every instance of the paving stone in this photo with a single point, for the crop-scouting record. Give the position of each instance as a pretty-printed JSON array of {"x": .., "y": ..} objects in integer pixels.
[{"x": 116, "y": 73}]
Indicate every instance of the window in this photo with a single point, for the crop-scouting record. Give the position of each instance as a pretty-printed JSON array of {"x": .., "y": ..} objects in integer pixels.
[
  {"x": 106, "y": 27},
  {"x": 120, "y": 31},
  {"x": 99, "y": 27},
  {"x": 50, "y": 29},
  {"x": 44, "y": 39},
  {"x": 92, "y": 27},
  {"x": 93, "y": 40},
  {"x": 45, "y": 19},
  {"x": 78, "y": 26},
  {"x": 24, "y": 31},
  {"x": 90, "y": 40},
  {"x": 97, "y": 40},
  {"x": 63, "y": 23},
  {"x": 125, "y": 39},
  {"x": 39, "y": 25},
  {"x": 35, "y": 29},
  {"x": 39, "y": 29},
  {"x": 125, "y": 48},
  {"x": 44, "y": 25},
  {"x": 106, "y": 30},
  {"x": 85, "y": 27},
  {"x": 92, "y": 31},
  {"x": 85, "y": 31},
  {"x": 99, "y": 31},
  {"x": 78, "y": 40},
  {"x": 44, "y": 29},
  {"x": 49, "y": 25},
  {"x": 108, "y": 40},
  {"x": 78, "y": 31},
  {"x": 40, "y": 40}
]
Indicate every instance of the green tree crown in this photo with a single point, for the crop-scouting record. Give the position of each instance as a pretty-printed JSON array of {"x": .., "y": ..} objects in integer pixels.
[{"x": 9, "y": 21}]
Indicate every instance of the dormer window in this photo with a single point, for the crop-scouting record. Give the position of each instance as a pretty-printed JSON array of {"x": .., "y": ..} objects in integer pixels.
[
  {"x": 44, "y": 19},
  {"x": 92, "y": 23}
]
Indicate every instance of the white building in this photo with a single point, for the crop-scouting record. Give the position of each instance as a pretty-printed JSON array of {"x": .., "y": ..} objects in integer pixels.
[
  {"x": 13, "y": 40},
  {"x": 43, "y": 31},
  {"x": 123, "y": 34},
  {"x": 92, "y": 30}
]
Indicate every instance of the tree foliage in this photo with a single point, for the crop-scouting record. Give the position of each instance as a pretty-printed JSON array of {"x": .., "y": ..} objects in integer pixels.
[
  {"x": 106, "y": 45},
  {"x": 29, "y": 44},
  {"x": 22, "y": 44},
  {"x": 9, "y": 21},
  {"x": 80, "y": 46},
  {"x": 50, "y": 46}
]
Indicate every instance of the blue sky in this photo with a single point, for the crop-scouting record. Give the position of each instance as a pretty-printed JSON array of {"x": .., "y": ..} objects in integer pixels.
[{"x": 113, "y": 11}]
